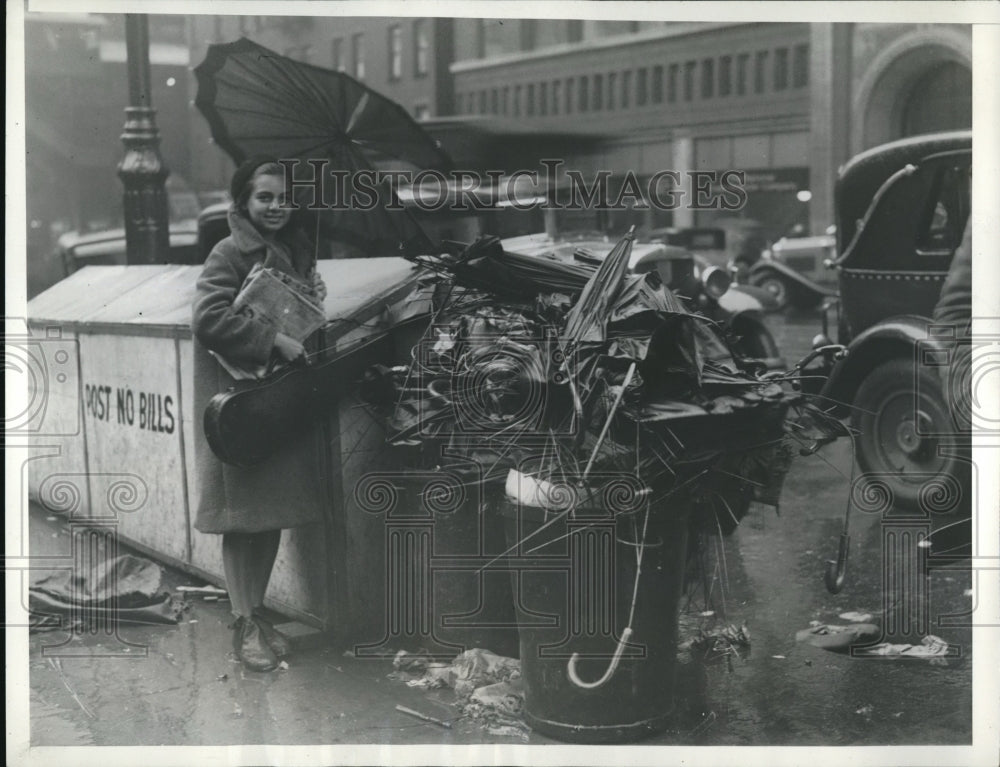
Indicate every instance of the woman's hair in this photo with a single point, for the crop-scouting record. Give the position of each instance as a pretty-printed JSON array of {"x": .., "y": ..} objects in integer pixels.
[{"x": 246, "y": 174}]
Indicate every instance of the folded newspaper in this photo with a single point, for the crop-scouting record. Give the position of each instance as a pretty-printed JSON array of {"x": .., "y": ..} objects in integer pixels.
[{"x": 291, "y": 306}]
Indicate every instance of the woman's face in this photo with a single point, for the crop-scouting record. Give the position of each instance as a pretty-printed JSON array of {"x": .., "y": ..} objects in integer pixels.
[{"x": 268, "y": 206}]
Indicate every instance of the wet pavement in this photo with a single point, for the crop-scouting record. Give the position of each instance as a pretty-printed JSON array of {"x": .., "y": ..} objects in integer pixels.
[{"x": 179, "y": 685}]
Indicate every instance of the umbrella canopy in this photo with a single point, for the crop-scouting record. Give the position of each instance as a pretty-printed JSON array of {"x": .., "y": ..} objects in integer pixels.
[{"x": 259, "y": 103}]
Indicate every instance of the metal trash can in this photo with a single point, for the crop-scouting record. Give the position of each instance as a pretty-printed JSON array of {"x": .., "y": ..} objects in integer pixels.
[{"x": 574, "y": 583}]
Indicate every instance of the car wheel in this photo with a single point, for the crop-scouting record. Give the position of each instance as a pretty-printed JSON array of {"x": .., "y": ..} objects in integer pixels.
[
  {"x": 895, "y": 413},
  {"x": 777, "y": 286}
]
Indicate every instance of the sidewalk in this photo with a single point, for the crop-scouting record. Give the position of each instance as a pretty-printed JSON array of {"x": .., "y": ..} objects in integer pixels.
[{"x": 180, "y": 685}]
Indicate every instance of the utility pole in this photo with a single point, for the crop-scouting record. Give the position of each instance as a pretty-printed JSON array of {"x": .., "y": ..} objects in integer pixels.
[{"x": 147, "y": 235}]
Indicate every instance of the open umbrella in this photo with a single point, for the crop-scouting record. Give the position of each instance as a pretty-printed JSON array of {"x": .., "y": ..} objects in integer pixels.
[{"x": 258, "y": 102}]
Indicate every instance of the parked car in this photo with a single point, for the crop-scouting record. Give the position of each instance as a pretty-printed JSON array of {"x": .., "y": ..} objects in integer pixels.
[
  {"x": 794, "y": 271},
  {"x": 75, "y": 251},
  {"x": 730, "y": 249},
  {"x": 901, "y": 209},
  {"x": 705, "y": 288}
]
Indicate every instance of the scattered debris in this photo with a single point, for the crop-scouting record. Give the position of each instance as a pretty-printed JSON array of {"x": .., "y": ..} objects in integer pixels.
[
  {"x": 856, "y": 617},
  {"x": 707, "y": 721},
  {"x": 724, "y": 642},
  {"x": 930, "y": 647},
  {"x": 202, "y": 590},
  {"x": 124, "y": 589},
  {"x": 237, "y": 709},
  {"x": 222, "y": 678},
  {"x": 424, "y": 717},
  {"x": 967, "y": 593},
  {"x": 778, "y": 657},
  {"x": 487, "y": 685},
  {"x": 838, "y": 638},
  {"x": 866, "y": 710},
  {"x": 283, "y": 666}
]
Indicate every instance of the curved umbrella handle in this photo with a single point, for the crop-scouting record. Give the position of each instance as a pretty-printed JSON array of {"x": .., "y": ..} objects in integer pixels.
[{"x": 615, "y": 659}]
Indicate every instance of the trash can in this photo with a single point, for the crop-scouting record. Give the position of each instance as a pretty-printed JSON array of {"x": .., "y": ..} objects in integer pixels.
[
  {"x": 574, "y": 581},
  {"x": 445, "y": 588}
]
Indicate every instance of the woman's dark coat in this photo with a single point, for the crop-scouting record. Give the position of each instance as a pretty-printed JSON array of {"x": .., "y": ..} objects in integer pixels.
[{"x": 286, "y": 490}]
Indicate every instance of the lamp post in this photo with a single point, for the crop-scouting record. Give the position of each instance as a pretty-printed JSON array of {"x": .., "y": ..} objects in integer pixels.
[{"x": 147, "y": 237}]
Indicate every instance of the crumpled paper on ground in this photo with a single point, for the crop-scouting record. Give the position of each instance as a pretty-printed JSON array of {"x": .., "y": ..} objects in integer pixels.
[
  {"x": 487, "y": 685},
  {"x": 125, "y": 589},
  {"x": 930, "y": 647}
]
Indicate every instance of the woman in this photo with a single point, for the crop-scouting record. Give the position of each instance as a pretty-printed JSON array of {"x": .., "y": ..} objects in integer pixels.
[{"x": 250, "y": 507}]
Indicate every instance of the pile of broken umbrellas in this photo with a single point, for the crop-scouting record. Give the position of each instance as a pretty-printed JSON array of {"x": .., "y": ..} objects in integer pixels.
[
  {"x": 565, "y": 387},
  {"x": 545, "y": 379}
]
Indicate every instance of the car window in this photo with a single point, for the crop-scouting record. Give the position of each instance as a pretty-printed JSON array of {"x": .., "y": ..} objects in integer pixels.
[{"x": 946, "y": 211}]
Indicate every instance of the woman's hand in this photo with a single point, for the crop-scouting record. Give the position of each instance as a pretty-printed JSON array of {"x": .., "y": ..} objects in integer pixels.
[
  {"x": 319, "y": 286},
  {"x": 288, "y": 348}
]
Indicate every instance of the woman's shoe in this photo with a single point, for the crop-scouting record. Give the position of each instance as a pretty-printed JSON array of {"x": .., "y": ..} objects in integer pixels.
[
  {"x": 251, "y": 647},
  {"x": 280, "y": 645}
]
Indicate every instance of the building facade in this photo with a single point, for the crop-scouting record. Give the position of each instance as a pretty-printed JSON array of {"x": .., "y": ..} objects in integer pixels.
[{"x": 786, "y": 103}]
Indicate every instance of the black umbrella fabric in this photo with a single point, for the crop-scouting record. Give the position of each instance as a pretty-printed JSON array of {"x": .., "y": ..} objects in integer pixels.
[{"x": 259, "y": 103}]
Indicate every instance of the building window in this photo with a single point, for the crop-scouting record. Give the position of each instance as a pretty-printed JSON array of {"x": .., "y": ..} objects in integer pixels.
[
  {"x": 672, "y": 72},
  {"x": 482, "y": 102},
  {"x": 583, "y": 95},
  {"x": 707, "y": 78},
  {"x": 517, "y": 101},
  {"x": 780, "y": 69},
  {"x": 689, "y": 67},
  {"x": 800, "y": 66},
  {"x": 530, "y": 110},
  {"x": 358, "y": 55},
  {"x": 642, "y": 87},
  {"x": 598, "y": 99},
  {"x": 421, "y": 48},
  {"x": 543, "y": 98},
  {"x": 395, "y": 53},
  {"x": 626, "y": 88},
  {"x": 338, "y": 54},
  {"x": 760, "y": 71},
  {"x": 725, "y": 75},
  {"x": 742, "y": 67},
  {"x": 657, "y": 86},
  {"x": 495, "y": 101},
  {"x": 556, "y": 96},
  {"x": 612, "y": 89},
  {"x": 568, "y": 96},
  {"x": 421, "y": 112},
  {"x": 505, "y": 100}
]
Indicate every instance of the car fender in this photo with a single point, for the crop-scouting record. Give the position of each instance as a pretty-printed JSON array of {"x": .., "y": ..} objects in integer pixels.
[
  {"x": 737, "y": 300},
  {"x": 896, "y": 337},
  {"x": 761, "y": 268}
]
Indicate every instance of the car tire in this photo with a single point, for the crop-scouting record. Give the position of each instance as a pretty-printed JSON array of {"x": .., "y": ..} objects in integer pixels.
[
  {"x": 777, "y": 286},
  {"x": 901, "y": 454}
]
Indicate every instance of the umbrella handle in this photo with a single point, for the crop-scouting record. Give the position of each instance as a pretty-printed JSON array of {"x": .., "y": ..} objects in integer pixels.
[
  {"x": 615, "y": 660},
  {"x": 836, "y": 570}
]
